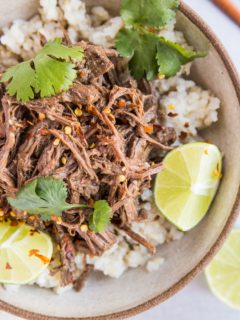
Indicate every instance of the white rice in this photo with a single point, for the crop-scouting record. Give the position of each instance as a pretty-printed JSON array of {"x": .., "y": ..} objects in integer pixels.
[
  {"x": 188, "y": 108},
  {"x": 193, "y": 109},
  {"x": 22, "y": 37}
]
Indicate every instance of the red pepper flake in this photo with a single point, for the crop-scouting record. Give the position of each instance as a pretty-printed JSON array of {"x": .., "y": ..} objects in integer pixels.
[
  {"x": 91, "y": 203},
  {"x": 57, "y": 219},
  {"x": 35, "y": 253},
  {"x": 158, "y": 128},
  {"x": 206, "y": 151},
  {"x": 183, "y": 135},
  {"x": 82, "y": 73},
  {"x": 33, "y": 231},
  {"x": 124, "y": 121},
  {"x": 121, "y": 103},
  {"x": 172, "y": 114},
  {"x": 92, "y": 109},
  {"x": 14, "y": 223},
  {"x": 89, "y": 99},
  {"x": 44, "y": 132},
  {"x": 8, "y": 266},
  {"x": 186, "y": 125},
  {"x": 209, "y": 141},
  {"x": 111, "y": 117},
  {"x": 151, "y": 29},
  {"x": 148, "y": 129}
]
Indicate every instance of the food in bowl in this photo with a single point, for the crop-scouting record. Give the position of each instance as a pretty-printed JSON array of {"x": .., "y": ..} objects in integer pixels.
[{"x": 88, "y": 120}]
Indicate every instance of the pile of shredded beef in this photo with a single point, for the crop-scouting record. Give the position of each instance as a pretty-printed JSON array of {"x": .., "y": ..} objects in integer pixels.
[{"x": 114, "y": 147}]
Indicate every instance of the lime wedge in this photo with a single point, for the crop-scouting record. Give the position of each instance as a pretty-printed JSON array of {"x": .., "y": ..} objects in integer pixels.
[
  {"x": 223, "y": 273},
  {"x": 188, "y": 183},
  {"x": 24, "y": 253}
]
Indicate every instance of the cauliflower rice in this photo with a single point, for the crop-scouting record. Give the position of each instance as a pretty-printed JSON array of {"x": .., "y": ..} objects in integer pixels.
[{"x": 187, "y": 106}]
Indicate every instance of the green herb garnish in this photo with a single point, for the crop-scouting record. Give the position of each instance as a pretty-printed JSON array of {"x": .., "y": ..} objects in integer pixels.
[
  {"x": 45, "y": 196},
  {"x": 100, "y": 218},
  {"x": 149, "y": 54},
  {"x": 49, "y": 73},
  {"x": 153, "y": 13}
]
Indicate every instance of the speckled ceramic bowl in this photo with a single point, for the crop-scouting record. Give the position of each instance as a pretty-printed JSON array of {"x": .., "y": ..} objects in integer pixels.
[{"x": 136, "y": 291}]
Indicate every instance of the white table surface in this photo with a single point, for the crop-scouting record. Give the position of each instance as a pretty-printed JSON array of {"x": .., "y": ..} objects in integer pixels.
[{"x": 195, "y": 302}]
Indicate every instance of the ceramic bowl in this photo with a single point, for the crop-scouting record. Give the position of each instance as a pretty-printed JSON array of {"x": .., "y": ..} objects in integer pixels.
[{"x": 137, "y": 290}]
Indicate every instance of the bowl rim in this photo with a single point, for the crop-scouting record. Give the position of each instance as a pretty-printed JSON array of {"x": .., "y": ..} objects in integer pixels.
[{"x": 210, "y": 35}]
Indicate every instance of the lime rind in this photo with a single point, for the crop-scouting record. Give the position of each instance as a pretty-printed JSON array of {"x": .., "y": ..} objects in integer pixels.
[{"x": 184, "y": 190}]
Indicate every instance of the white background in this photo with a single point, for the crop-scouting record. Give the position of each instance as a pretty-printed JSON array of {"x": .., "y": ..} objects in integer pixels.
[{"x": 195, "y": 302}]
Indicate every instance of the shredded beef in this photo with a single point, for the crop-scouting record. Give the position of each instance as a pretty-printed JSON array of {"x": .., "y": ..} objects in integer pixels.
[{"x": 115, "y": 147}]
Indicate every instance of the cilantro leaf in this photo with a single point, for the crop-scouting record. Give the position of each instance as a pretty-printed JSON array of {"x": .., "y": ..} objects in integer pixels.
[
  {"x": 56, "y": 49},
  {"x": 53, "y": 76},
  {"x": 21, "y": 81},
  {"x": 100, "y": 218},
  {"x": 49, "y": 73},
  {"x": 45, "y": 196},
  {"x": 150, "y": 55},
  {"x": 153, "y": 13},
  {"x": 171, "y": 56},
  {"x": 141, "y": 48}
]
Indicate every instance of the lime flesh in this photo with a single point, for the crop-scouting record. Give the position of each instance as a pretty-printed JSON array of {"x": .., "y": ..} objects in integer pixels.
[
  {"x": 223, "y": 273},
  {"x": 24, "y": 253},
  {"x": 185, "y": 188}
]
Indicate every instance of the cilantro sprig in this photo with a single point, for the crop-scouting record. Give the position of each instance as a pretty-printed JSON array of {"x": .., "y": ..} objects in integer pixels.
[
  {"x": 45, "y": 196},
  {"x": 49, "y": 73},
  {"x": 100, "y": 218},
  {"x": 149, "y": 54}
]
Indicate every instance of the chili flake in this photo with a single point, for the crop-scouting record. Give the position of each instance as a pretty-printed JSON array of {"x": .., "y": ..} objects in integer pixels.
[
  {"x": 172, "y": 114},
  {"x": 89, "y": 99},
  {"x": 78, "y": 112},
  {"x": 33, "y": 231},
  {"x": 171, "y": 106},
  {"x": 183, "y": 135},
  {"x": 91, "y": 203},
  {"x": 64, "y": 160},
  {"x": 148, "y": 129},
  {"x": 89, "y": 108},
  {"x": 217, "y": 174},
  {"x": 84, "y": 228},
  {"x": 8, "y": 266},
  {"x": 121, "y": 103},
  {"x": 151, "y": 29},
  {"x": 82, "y": 73},
  {"x": 107, "y": 110},
  {"x": 44, "y": 132},
  {"x": 121, "y": 178},
  {"x": 56, "y": 142},
  {"x": 161, "y": 76},
  {"x": 56, "y": 219},
  {"x": 41, "y": 116},
  {"x": 68, "y": 130},
  {"x": 92, "y": 146},
  {"x": 12, "y": 214},
  {"x": 36, "y": 253},
  {"x": 14, "y": 223}
]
